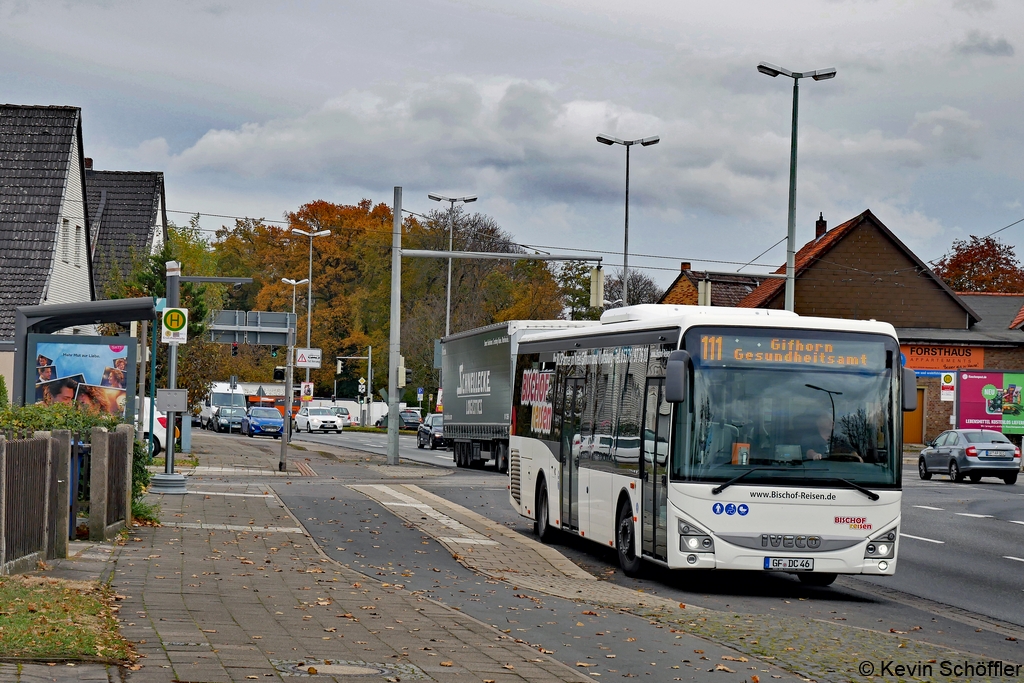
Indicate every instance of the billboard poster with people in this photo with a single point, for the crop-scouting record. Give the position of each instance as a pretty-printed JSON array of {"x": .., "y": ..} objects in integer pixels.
[
  {"x": 96, "y": 373},
  {"x": 991, "y": 400}
]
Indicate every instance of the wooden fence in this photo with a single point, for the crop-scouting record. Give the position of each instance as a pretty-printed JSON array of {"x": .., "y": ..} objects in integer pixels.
[{"x": 26, "y": 475}]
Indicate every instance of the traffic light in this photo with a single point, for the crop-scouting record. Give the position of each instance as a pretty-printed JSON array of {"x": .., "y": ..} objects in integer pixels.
[
  {"x": 273, "y": 352},
  {"x": 234, "y": 348},
  {"x": 408, "y": 376},
  {"x": 279, "y": 374},
  {"x": 403, "y": 376}
]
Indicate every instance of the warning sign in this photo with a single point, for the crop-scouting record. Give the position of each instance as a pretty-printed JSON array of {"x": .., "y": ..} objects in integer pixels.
[
  {"x": 174, "y": 326},
  {"x": 307, "y": 358}
]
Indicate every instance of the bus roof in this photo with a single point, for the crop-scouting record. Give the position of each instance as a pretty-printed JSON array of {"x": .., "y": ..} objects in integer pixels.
[{"x": 653, "y": 316}]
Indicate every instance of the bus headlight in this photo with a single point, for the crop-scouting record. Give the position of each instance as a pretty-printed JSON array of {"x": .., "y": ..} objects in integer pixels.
[
  {"x": 882, "y": 546},
  {"x": 694, "y": 539}
]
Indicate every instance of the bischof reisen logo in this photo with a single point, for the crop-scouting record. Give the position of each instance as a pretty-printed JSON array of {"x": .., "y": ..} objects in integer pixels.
[
  {"x": 718, "y": 508},
  {"x": 742, "y": 509}
]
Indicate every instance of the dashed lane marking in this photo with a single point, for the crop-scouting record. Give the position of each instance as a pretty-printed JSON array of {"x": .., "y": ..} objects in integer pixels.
[
  {"x": 1011, "y": 557},
  {"x": 921, "y": 538},
  {"x": 971, "y": 514},
  {"x": 928, "y": 507},
  {"x": 1014, "y": 521}
]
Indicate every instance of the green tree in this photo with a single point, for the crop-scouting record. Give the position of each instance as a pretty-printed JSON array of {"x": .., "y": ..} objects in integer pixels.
[{"x": 574, "y": 284}]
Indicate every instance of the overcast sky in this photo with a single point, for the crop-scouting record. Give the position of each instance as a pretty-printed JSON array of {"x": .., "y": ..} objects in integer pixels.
[{"x": 253, "y": 108}]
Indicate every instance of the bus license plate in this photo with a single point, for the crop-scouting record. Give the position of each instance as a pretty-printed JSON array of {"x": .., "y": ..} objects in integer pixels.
[{"x": 790, "y": 564}]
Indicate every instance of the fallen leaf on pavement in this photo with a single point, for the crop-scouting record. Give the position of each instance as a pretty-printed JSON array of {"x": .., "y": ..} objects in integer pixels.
[
  {"x": 584, "y": 664},
  {"x": 446, "y": 663},
  {"x": 311, "y": 670},
  {"x": 591, "y": 613},
  {"x": 755, "y": 679},
  {"x": 723, "y": 667},
  {"x": 508, "y": 666},
  {"x": 734, "y": 659}
]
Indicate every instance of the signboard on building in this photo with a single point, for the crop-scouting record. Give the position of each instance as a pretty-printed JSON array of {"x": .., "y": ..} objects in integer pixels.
[
  {"x": 990, "y": 400},
  {"x": 943, "y": 357},
  {"x": 947, "y": 386}
]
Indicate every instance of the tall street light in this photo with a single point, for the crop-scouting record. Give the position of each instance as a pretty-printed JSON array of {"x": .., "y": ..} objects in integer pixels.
[
  {"x": 645, "y": 142},
  {"x": 819, "y": 75},
  {"x": 294, "y": 284},
  {"x": 452, "y": 201},
  {"x": 309, "y": 301}
]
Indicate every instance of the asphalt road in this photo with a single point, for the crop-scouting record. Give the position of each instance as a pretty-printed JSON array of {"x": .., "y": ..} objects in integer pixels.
[
  {"x": 377, "y": 443},
  {"x": 960, "y": 580}
]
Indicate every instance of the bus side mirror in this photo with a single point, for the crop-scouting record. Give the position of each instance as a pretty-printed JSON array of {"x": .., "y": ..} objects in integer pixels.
[
  {"x": 675, "y": 376},
  {"x": 909, "y": 390}
]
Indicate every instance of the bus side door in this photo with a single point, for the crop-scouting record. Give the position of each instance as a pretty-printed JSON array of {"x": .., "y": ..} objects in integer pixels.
[
  {"x": 572, "y": 442},
  {"x": 653, "y": 470}
]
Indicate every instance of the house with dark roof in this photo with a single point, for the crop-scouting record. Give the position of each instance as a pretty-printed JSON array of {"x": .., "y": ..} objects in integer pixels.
[
  {"x": 128, "y": 217},
  {"x": 695, "y": 287},
  {"x": 45, "y": 231},
  {"x": 861, "y": 270}
]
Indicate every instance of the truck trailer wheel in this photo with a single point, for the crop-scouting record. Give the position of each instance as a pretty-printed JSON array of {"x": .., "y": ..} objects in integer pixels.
[{"x": 501, "y": 457}]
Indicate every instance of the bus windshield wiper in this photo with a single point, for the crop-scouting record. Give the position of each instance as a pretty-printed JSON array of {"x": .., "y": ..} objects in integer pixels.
[
  {"x": 867, "y": 492},
  {"x": 721, "y": 487}
]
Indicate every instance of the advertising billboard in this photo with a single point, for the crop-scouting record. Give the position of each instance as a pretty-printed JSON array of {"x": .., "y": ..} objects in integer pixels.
[
  {"x": 990, "y": 400},
  {"x": 94, "y": 372}
]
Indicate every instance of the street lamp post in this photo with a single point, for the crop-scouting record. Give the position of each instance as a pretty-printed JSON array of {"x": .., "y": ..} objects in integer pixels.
[
  {"x": 309, "y": 302},
  {"x": 294, "y": 284},
  {"x": 819, "y": 75},
  {"x": 451, "y": 239},
  {"x": 644, "y": 142}
]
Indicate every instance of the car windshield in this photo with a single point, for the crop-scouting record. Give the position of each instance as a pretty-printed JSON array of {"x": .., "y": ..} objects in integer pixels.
[
  {"x": 225, "y": 399},
  {"x": 340, "y": 411},
  {"x": 985, "y": 436},
  {"x": 437, "y": 421},
  {"x": 411, "y": 416},
  {"x": 265, "y": 413},
  {"x": 322, "y": 412},
  {"x": 785, "y": 410},
  {"x": 231, "y": 412}
]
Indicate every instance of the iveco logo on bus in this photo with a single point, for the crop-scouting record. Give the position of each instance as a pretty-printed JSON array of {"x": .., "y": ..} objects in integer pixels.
[
  {"x": 476, "y": 383},
  {"x": 779, "y": 540}
]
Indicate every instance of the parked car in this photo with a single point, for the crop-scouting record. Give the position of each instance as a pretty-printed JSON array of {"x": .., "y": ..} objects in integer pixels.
[
  {"x": 346, "y": 418},
  {"x": 410, "y": 420},
  {"x": 431, "y": 432},
  {"x": 263, "y": 422},
  {"x": 228, "y": 419},
  {"x": 160, "y": 431},
  {"x": 975, "y": 453},
  {"x": 317, "y": 420}
]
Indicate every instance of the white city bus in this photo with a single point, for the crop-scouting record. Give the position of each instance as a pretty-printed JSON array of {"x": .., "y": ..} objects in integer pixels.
[{"x": 701, "y": 437}]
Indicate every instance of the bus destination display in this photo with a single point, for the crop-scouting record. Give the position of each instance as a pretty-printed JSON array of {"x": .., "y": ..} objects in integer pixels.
[{"x": 788, "y": 351}]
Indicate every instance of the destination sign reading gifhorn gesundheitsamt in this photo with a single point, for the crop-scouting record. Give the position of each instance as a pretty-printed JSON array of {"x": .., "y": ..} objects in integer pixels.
[{"x": 838, "y": 354}]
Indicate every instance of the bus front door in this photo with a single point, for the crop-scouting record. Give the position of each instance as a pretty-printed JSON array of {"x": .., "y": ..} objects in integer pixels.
[
  {"x": 654, "y": 470},
  {"x": 570, "y": 453}
]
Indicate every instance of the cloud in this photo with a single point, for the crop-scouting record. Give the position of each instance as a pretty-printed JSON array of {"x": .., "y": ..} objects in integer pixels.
[
  {"x": 974, "y": 6},
  {"x": 953, "y": 134},
  {"x": 978, "y": 43}
]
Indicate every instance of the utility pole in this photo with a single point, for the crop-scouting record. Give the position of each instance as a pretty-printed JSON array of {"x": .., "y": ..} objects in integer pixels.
[
  {"x": 394, "y": 345},
  {"x": 288, "y": 378}
]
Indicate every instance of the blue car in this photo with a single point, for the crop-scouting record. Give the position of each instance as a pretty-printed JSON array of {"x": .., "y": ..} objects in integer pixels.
[{"x": 263, "y": 422}]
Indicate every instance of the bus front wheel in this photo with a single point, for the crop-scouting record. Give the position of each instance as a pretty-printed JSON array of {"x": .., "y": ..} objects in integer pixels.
[
  {"x": 625, "y": 542},
  {"x": 541, "y": 525}
]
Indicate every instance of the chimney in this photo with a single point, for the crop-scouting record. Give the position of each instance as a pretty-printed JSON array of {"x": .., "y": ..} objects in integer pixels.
[
  {"x": 820, "y": 226},
  {"x": 88, "y": 163},
  {"x": 685, "y": 265}
]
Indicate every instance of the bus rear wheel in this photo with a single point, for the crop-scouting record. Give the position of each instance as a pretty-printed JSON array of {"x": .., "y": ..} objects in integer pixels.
[
  {"x": 625, "y": 542},
  {"x": 817, "y": 579}
]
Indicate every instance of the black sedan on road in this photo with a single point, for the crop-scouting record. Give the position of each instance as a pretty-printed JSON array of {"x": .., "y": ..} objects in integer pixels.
[
  {"x": 408, "y": 419},
  {"x": 431, "y": 432},
  {"x": 975, "y": 453}
]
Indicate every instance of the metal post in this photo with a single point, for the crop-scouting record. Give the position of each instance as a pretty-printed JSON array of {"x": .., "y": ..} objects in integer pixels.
[
  {"x": 169, "y": 481},
  {"x": 394, "y": 343},
  {"x": 625, "y": 243},
  {"x": 289, "y": 371},
  {"x": 451, "y": 247},
  {"x": 152, "y": 390},
  {"x": 369, "y": 383},
  {"x": 791, "y": 232},
  {"x": 142, "y": 377},
  {"x": 309, "y": 302}
]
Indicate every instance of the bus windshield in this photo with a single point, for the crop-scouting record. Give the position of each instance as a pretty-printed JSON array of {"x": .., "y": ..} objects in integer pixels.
[
  {"x": 817, "y": 409},
  {"x": 225, "y": 399}
]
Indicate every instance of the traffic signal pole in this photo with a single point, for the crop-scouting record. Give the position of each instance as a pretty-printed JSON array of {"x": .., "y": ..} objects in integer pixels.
[{"x": 288, "y": 379}]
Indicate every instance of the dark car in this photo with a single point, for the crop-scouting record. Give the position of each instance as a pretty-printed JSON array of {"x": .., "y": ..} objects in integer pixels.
[
  {"x": 410, "y": 420},
  {"x": 975, "y": 453},
  {"x": 263, "y": 422},
  {"x": 431, "y": 432},
  {"x": 229, "y": 419}
]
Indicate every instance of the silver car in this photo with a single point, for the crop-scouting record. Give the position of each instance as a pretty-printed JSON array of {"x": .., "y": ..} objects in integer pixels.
[{"x": 974, "y": 453}]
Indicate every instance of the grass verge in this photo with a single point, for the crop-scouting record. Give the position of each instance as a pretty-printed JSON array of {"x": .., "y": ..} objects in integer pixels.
[
  {"x": 179, "y": 461},
  {"x": 50, "y": 619},
  {"x": 146, "y": 514}
]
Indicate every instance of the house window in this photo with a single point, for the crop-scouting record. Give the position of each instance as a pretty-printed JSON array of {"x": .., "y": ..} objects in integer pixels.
[
  {"x": 65, "y": 240},
  {"x": 78, "y": 246}
]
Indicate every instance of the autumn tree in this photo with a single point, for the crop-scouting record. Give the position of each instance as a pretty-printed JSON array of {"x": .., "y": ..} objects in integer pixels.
[{"x": 981, "y": 264}]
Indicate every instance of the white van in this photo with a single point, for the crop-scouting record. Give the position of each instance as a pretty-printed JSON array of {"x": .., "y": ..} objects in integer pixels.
[{"x": 221, "y": 394}]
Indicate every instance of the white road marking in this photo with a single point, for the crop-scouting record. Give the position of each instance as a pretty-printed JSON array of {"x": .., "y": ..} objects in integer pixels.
[
  {"x": 921, "y": 538},
  {"x": 236, "y": 527},
  {"x": 471, "y": 541},
  {"x": 1013, "y": 521},
  {"x": 971, "y": 514},
  {"x": 238, "y": 495},
  {"x": 928, "y": 507},
  {"x": 1011, "y": 557}
]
